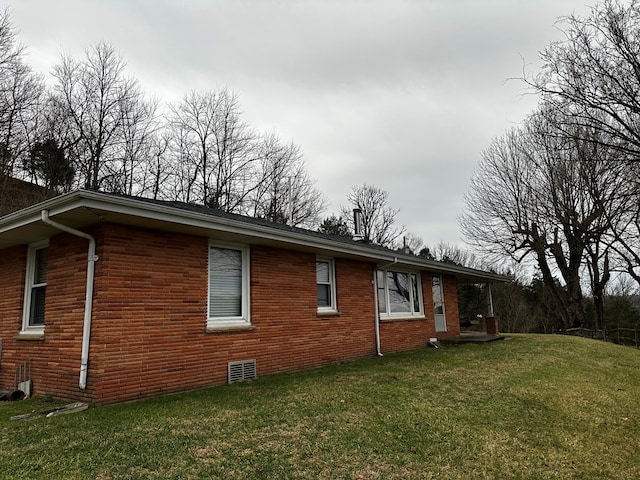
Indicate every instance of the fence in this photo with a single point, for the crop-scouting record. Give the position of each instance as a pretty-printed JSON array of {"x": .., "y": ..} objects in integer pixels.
[{"x": 620, "y": 336}]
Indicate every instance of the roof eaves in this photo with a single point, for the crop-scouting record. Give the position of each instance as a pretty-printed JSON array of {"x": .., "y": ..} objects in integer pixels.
[
  {"x": 247, "y": 226},
  {"x": 231, "y": 223},
  {"x": 32, "y": 213}
]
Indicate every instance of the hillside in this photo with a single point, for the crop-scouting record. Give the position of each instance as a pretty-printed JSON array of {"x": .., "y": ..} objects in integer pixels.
[{"x": 534, "y": 407}]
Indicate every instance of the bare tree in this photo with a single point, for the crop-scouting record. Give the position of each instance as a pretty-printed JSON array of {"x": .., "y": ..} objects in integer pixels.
[
  {"x": 20, "y": 92},
  {"x": 214, "y": 150},
  {"x": 183, "y": 165},
  {"x": 623, "y": 221},
  {"x": 129, "y": 174},
  {"x": 448, "y": 253},
  {"x": 99, "y": 104},
  {"x": 594, "y": 74},
  {"x": 378, "y": 218},
  {"x": 284, "y": 191},
  {"x": 157, "y": 176},
  {"x": 539, "y": 193}
]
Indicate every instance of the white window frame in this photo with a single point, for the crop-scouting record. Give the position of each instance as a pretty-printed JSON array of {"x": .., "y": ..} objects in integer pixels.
[
  {"x": 385, "y": 291},
  {"x": 29, "y": 285},
  {"x": 244, "y": 319},
  {"x": 333, "y": 307}
]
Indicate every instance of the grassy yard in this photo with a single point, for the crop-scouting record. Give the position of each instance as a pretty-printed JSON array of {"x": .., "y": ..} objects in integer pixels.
[{"x": 535, "y": 407}]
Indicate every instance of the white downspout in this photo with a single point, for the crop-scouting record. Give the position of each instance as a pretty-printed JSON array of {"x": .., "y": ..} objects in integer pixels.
[
  {"x": 88, "y": 301},
  {"x": 376, "y": 313},
  {"x": 376, "y": 306}
]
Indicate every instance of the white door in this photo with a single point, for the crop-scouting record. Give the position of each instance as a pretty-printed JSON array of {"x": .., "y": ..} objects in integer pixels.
[{"x": 438, "y": 303}]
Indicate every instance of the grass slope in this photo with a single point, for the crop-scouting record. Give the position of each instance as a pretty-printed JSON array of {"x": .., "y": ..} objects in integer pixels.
[{"x": 535, "y": 407}]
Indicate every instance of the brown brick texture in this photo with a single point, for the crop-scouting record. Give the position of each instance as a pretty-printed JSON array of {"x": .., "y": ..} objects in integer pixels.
[
  {"x": 149, "y": 334},
  {"x": 55, "y": 361}
]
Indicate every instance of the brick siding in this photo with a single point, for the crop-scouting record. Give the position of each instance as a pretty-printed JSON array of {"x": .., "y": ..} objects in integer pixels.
[
  {"x": 55, "y": 360},
  {"x": 149, "y": 316}
]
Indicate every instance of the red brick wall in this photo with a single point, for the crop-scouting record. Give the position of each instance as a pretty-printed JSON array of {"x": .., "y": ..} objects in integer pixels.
[
  {"x": 150, "y": 306},
  {"x": 149, "y": 314},
  {"x": 449, "y": 287},
  {"x": 400, "y": 335},
  {"x": 12, "y": 271},
  {"x": 55, "y": 361},
  {"x": 284, "y": 312},
  {"x": 150, "y": 309}
]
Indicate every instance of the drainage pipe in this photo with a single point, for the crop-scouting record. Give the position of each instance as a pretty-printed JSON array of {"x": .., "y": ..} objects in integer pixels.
[
  {"x": 88, "y": 301},
  {"x": 376, "y": 307},
  {"x": 376, "y": 314}
]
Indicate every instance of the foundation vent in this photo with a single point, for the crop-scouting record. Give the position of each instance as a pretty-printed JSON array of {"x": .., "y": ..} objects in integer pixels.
[{"x": 239, "y": 371}]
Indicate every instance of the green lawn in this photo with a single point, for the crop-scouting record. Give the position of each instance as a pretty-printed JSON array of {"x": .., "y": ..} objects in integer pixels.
[{"x": 534, "y": 407}]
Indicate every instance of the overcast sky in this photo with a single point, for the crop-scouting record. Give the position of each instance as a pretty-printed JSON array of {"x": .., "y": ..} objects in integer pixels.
[{"x": 404, "y": 95}]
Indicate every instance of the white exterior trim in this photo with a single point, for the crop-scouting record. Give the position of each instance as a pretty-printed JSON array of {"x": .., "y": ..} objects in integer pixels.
[
  {"x": 387, "y": 314},
  {"x": 333, "y": 308},
  {"x": 244, "y": 319},
  {"x": 28, "y": 288},
  {"x": 97, "y": 207}
]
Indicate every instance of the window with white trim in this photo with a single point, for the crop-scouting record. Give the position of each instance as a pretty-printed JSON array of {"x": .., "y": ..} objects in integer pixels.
[
  {"x": 326, "y": 284},
  {"x": 228, "y": 303},
  {"x": 399, "y": 293},
  {"x": 35, "y": 288}
]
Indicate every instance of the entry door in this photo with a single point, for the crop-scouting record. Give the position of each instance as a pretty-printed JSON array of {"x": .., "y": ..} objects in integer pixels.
[{"x": 438, "y": 303}]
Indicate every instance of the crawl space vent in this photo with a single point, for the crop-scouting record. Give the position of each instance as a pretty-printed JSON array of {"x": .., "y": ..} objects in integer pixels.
[{"x": 243, "y": 370}]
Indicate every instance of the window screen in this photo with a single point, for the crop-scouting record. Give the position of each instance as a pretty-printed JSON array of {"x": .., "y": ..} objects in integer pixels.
[{"x": 225, "y": 282}]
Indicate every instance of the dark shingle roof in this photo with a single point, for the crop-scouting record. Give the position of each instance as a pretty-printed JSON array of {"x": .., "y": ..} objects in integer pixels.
[
  {"x": 216, "y": 213},
  {"x": 22, "y": 226}
]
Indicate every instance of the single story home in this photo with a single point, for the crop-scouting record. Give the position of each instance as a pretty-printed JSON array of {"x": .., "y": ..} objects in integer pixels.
[{"x": 108, "y": 298}]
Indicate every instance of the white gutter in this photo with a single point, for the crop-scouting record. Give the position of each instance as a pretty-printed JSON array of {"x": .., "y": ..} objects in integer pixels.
[
  {"x": 111, "y": 205},
  {"x": 88, "y": 301},
  {"x": 376, "y": 306}
]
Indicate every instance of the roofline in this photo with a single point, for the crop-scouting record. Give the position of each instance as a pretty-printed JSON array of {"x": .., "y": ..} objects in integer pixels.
[{"x": 131, "y": 206}]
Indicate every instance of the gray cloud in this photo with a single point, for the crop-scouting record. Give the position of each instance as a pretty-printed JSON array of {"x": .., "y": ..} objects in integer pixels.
[{"x": 401, "y": 94}]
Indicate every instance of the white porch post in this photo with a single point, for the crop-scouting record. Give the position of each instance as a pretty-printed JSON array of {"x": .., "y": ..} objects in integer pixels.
[
  {"x": 490, "y": 312},
  {"x": 491, "y": 322}
]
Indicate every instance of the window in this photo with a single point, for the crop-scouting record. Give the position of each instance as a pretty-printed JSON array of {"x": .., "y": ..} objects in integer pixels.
[
  {"x": 326, "y": 283},
  {"x": 35, "y": 288},
  {"x": 228, "y": 286},
  {"x": 399, "y": 293}
]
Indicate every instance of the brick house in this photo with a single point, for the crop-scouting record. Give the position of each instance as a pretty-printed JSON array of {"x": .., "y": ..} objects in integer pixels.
[{"x": 109, "y": 298}]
